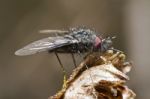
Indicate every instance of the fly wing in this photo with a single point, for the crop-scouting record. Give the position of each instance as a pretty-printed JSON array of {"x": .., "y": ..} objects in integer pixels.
[
  {"x": 54, "y": 32},
  {"x": 45, "y": 44}
]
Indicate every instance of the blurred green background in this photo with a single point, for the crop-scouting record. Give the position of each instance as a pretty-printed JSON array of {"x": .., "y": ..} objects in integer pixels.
[{"x": 39, "y": 76}]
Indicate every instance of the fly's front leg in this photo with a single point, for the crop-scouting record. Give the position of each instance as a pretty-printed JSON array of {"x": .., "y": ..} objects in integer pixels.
[
  {"x": 115, "y": 50},
  {"x": 89, "y": 51}
]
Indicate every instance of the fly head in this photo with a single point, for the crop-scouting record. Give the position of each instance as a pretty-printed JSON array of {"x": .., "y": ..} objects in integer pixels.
[{"x": 106, "y": 43}]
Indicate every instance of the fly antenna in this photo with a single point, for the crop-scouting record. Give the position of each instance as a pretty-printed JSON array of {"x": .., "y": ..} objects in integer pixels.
[{"x": 113, "y": 37}]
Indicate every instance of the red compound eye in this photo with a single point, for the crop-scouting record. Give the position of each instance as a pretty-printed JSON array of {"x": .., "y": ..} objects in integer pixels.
[{"x": 97, "y": 42}]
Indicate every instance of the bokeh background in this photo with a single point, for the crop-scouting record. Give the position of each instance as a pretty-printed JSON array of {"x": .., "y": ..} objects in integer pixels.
[{"x": 39, "y": 76}]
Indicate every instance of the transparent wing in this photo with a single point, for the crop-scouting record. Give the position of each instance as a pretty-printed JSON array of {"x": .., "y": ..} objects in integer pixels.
[
  {"x": 45, "y": 44},
  {"x": 54, "y": 32}
]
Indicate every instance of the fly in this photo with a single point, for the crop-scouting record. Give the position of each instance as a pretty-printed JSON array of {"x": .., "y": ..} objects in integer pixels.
[{"x": 74, "y": 40}]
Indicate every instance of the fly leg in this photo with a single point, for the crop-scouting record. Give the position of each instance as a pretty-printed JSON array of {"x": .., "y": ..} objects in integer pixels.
[
  {"x": 116, "y": 50},
  {"x": 63, "y": 69},
  {"x": 74, "y": 61}
]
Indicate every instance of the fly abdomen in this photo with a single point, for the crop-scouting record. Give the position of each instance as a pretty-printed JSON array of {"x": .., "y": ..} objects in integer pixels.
[{"x": 73, "y": 48}]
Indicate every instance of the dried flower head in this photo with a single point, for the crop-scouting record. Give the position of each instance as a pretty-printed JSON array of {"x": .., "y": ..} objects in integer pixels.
[{"x": 99, "y": 76}]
